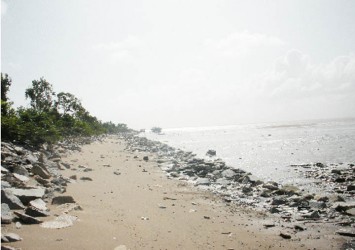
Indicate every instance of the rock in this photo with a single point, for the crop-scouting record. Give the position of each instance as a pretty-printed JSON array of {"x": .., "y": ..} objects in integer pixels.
[
  {"x": 5, "y": 184},
  {"x": 269, "y": 224},
  {"x": 62, "y": 200},
  {"x": 146, "y": 158},
  {"x": 35, "y": 212},
  {"x": 41, "y": 181},
  {"x": 121, "y": 247},
  {"x": 343, "y": 206},
  {"x": 26, "y": 219},
  {"x": 223, "y": 182},
  {"x": 271, "y": 186},
  {"x": 320, "y": 165},
  {"x": 285, "y": 235},
  {"x": 274, "y": 210},
  {"x": 6, "y": 214},
  {"x": 41, "y": 171},
  {"x": 62, "y": 221},
  {"x": 39, "y": 204},
  {"x": 317, "y": 204},
  {"x": 299, "y": 228},
  {"x": 18, "y": 225},
  {"x": 203, "y": 182},
  {"x": 228, "y": 174},
  {"x": 350, "y": 212},
  {"x": 27, "y": 195},
  {"x": 350, "y": 187},
  {"x": 21, "y": 178},
  {"x": 12, "y": 237},
  {"x": 20, "y": 170},
  {"x": 31, "y": 159},
  {"x": 278, "y": 201},
  {"x": 85, "y": 178},
  {"x": 349, "y": 233},
  {"x": 312, "y": 215},
  {"x": 11, "y": 200}
]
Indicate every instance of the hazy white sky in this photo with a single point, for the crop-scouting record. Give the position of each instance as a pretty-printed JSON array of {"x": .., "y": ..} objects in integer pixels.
[{"x": 186, "y": 63}]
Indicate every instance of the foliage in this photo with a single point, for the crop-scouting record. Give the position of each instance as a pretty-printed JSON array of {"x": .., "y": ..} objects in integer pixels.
[
  {"x": 5, "y": 85},
  {"x": 50, "y": 118},
  {"x": 156, "y": 130},
  {"x": 40, "y": 95}
]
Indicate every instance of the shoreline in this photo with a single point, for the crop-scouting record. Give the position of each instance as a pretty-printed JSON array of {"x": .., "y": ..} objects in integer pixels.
[{"x": 174, "y": 209}]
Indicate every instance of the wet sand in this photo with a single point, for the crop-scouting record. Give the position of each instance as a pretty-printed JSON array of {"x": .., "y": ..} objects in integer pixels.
[{"x": 131, "y": 204}]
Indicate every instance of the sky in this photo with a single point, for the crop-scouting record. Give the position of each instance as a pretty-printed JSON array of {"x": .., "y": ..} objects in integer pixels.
[{"x": 171, "y": 63}]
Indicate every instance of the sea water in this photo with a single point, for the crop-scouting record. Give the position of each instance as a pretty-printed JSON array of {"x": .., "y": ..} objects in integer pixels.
[{"x": 268, "y": 150}]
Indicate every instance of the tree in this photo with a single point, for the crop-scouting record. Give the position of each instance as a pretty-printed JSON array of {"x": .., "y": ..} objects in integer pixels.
[
  {"x": 156, "y": 130},
  {"x": 41, "y": 95},
  {"x": 68, "y": 103},
  {"x": 5, "y": 85}
]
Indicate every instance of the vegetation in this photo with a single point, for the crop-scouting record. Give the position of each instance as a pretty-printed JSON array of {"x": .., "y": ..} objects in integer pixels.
[
  {"x": 51, "y": 117},
  {"x": 156, "y": 130}
]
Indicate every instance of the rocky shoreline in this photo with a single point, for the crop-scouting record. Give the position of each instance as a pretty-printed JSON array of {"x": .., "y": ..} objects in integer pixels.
[
  {"x": 30, "y": 180},
  {"x": 288, "y": 203}
]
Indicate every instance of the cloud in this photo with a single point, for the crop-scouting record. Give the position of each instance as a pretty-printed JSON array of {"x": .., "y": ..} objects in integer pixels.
[
  {"x": 242, "y": 43},
  {"x": 3, "y": 8},
  {"x": 121, "y": 51},
  {"x": 294, "y": 76}
]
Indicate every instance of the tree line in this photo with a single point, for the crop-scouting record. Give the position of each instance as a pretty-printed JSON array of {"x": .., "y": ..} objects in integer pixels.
[{"x": 49, "y": 118}]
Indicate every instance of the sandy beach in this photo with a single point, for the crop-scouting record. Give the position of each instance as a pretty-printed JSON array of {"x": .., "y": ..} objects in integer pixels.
[{"x": 129, "y": 203}]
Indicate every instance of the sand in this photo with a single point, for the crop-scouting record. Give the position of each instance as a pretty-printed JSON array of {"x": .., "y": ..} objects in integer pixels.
[{"x": 131, "y": 204}]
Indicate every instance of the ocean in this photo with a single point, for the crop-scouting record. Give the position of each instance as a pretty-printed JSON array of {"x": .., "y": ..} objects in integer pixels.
[{"x": 267, "y": 150}]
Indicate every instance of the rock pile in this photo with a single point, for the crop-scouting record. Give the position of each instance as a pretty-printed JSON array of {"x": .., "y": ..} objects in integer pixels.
[
  {"x": 29, "y": 180},
  {"x": 243, "y": 188}
]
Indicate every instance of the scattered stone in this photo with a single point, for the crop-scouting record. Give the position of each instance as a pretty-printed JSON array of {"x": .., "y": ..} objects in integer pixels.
[
  {"x": 35, "y": 212},
  {"x": 11, "y": 200},
  {"x": 349, "y": 233},
  {"x": 62, "y": 221},
  {"x": 12, "y": 237},
  {"x": 18, "y": 225},
  {"x": 26, "y": 219},
  {"x": 203, "y": 182},
  {"x": 41, "y": 171},
  {"x": 6, "y": 214},
  {"x": 62, "y": 200},
  {"x": 85, "y": 178},
  {"x": 146, "y": 158},
  {"x": 117, "y": 172},
  {"x": 285, "y": 235},
  {"x": 73, "y": 177},
  {"x": 21, "y": 178},
  {"x": 27, "y": 195}
]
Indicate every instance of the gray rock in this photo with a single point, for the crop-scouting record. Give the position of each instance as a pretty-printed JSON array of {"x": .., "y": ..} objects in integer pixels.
[
  {"x": 223, "y": 182},
  {"x": 285, "y": 235},
  {"x": 11, "y": 200},
  {"x": 27, "y": 195},
  {"x": 349, "y": 233},
  {"x": 35, "y": 212},
  {"x": 85, "y": 178},
  {"x": 271, "y": 186},
  {"x": 350, "y": 212},
  {"x": 62, "y": 200},
  {"x": 41, "y": 171},
  {"x": 317, "y": 204},
  {"x": 21, "y": 178},
  {"x": 26, "y": 219},
  {"x": 312, "y": 215},
  {"x": 39, "y": 204},
  {"x": 3, "y": 247},
  {"x": 20, "y": 170},
  {"x": 278, "y": 201},
  {"x": 6, "y": 214},
  {"x": 203, "y": 182},
  {"x": 228, "y": 174},
  {"x": 350, "y": 187},
  {"x": 12, "y": 237},
  {"x": 5, "y": 184},
  {"x": 31, "y": 159},
  {"x": 146, "y": 158}
]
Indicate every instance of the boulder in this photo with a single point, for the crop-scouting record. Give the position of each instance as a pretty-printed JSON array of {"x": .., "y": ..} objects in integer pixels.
[
  {"x": 12, "y": 237},
  {"x": 26, "y": 219},
  {"x": 41, "y": 171},
  {"x": 6, "y": 214},
  {"x": 228, "y": 174},
  {"x": 35, "y": 212},
  {"x": 20, "y": 170},
  {"x": 11, "y": 200},
  {"x": 27, "y": 195},
  {"x": 62, "y": 200},
  {"x": 203, "y": 182}
]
